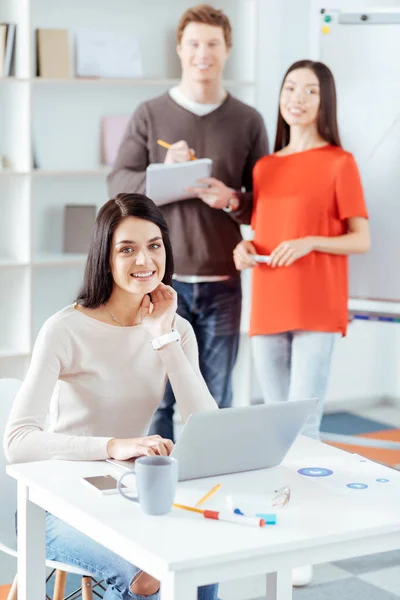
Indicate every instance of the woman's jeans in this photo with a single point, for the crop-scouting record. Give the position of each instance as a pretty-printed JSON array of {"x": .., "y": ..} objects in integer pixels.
[
  {"x": 295, "y": 365},
  {"x": 65, "y": 544}
]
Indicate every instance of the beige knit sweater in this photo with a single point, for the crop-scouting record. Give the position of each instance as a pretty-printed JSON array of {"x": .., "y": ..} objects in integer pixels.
[{"x": 89, "y": 382}]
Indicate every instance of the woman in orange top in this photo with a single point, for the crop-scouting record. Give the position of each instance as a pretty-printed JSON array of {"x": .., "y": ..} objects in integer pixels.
[{"x": 309, "y": 214}]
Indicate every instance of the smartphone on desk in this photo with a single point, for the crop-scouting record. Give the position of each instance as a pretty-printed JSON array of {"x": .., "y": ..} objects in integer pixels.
[{"x": 104, "y": 484}]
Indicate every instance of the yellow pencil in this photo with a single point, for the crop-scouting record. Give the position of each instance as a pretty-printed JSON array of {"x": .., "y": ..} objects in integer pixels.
[
  {"x": 163, "y": 144},
  {"x": 166, "y": 145},
  {"x": 208, "y": 495},
  {"x": 191, "y": 508}
]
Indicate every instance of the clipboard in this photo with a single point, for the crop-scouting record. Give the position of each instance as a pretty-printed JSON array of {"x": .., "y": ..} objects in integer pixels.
[{"x": 167, "y": 183}]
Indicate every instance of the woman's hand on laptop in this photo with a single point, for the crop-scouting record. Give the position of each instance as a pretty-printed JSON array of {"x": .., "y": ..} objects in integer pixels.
[{"x": 152, "y": 445}]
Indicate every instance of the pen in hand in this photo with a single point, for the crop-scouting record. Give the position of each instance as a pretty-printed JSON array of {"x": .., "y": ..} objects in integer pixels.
[{"x": 167, "y": 146}]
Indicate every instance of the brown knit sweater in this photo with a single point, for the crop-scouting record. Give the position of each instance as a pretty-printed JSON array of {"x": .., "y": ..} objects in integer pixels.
[{"x": 234, "y": 137}]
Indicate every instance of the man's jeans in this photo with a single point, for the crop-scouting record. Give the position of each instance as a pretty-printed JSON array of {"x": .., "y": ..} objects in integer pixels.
[{"x": 214, "y": 310}]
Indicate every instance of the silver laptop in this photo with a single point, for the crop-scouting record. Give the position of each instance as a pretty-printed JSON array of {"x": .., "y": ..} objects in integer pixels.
[{"x": 236, "y": 439}]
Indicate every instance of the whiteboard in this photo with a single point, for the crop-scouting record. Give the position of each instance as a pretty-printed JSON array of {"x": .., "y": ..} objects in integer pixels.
[{"x": 363, "y": 52}]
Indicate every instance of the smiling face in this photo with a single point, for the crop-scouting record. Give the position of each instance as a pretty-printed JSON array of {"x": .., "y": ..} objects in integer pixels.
[
  {"x": 300, "y": 98},
  {"x": 203, "y": 52},
  {"x": 137, "y": 256}
]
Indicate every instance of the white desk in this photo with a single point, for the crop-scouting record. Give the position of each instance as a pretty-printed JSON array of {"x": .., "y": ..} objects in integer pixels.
[{"x": 183, "y": 550}]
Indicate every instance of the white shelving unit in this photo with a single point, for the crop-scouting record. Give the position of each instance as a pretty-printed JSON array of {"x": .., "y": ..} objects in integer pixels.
[{"x": 58, "y": 121}]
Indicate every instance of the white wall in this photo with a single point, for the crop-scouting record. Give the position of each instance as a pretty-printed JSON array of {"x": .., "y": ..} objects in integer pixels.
[{"x": 366, "y": 362}]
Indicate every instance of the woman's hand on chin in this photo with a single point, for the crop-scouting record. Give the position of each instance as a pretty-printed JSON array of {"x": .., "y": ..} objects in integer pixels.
[
  {"x": 159, "y": 313},
  {"x": 152, "y": 445}
]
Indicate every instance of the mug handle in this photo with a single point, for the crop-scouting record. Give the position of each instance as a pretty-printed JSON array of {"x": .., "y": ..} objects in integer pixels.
[{"x": 119, "y": 487}]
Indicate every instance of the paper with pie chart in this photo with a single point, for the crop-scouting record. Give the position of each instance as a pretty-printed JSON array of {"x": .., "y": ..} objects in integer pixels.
[{"x": 357, "y": 476}]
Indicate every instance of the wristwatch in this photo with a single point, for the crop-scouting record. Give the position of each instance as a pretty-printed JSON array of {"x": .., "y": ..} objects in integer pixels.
[
  {"x": 164, "y": 340},
  {"x": 233, "y": 203}
]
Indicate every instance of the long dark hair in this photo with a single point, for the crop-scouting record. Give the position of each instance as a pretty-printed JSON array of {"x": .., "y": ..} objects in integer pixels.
[
  {"x": 327, "y": 117},
  {"x": 97, "y": 280}
]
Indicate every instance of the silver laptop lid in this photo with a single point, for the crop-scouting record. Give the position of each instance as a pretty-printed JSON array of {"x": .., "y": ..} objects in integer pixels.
[{"x": 239, "y": 439}]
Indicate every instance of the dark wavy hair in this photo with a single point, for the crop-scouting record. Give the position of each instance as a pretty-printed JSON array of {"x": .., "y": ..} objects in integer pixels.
[
  {"x": 98, "y": 281},
  {"x": 327, "y": 114}
]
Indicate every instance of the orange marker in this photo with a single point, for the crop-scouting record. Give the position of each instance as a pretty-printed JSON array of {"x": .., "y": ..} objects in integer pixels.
[
  {"x": 232, "y": 518},
  {"x": 225, "y": 516},
  {"x": 166, "y": 145}
]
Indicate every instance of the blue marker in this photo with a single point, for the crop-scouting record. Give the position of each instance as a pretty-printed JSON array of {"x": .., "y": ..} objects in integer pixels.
[{"x": 269, "y": 518}]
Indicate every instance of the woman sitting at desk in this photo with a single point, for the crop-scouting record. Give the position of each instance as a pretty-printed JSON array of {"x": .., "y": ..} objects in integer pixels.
[
  {"x": 98, "y": 373},
  {"x": 309, "y": 214}
]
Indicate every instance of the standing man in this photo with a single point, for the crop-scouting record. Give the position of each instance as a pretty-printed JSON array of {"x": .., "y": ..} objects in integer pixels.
[{"x": 200, "y": 117}]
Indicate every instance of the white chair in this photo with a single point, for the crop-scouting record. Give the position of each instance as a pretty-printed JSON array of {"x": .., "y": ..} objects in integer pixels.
[{"x": 8, "y": 504}]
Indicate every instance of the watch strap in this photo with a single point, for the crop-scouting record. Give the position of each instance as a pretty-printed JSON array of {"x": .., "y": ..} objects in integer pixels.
[{"x": 164, "y": 340}]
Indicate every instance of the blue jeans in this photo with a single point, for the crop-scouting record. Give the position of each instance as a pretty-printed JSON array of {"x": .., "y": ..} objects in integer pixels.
[
  {"x": 214, "y": 311},
  {"x": 295, "y": 365},
  {"x": 67, "y": 545}
]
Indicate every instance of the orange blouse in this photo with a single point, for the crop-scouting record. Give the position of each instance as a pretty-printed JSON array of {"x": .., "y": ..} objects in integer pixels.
[{"x": 309, "y": 193}]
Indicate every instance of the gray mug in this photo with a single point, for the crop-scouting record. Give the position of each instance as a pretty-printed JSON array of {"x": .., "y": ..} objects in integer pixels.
[{"x": 156, "y": 480}]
